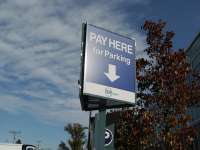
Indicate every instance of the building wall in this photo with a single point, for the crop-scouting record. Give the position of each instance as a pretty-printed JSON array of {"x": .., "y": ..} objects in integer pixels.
[{"x": 193, "y": 55}]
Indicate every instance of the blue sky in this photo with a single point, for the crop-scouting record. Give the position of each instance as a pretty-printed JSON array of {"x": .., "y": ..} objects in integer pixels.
[{"x": 40, "y": 50}]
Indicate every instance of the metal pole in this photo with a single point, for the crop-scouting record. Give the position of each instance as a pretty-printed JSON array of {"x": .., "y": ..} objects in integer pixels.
[
  {"x": 89, "y": 133},
  {"x": 100, "y": 129}
]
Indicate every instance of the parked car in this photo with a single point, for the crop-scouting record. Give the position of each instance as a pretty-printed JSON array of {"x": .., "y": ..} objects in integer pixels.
[{"x": 5, "y": 146}]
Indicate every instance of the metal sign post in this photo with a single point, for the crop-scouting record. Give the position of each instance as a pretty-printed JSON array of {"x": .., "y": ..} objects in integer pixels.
[
  {"x": 108, "y": 74},
  {"x": 100, "y": 129}
]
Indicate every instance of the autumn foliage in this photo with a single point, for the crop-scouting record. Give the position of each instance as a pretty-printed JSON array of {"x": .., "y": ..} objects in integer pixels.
[{"x": 167, "y": 88}]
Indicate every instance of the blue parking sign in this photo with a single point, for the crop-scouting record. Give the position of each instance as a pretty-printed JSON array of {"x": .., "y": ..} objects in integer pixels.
[{"x": 109, "y": 67}]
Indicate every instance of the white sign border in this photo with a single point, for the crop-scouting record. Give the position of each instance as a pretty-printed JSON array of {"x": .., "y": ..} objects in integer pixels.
[{"x": 91, "y": 88}]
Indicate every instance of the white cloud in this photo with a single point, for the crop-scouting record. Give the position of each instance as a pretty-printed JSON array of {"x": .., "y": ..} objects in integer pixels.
[{"x": 40, "y": 46}]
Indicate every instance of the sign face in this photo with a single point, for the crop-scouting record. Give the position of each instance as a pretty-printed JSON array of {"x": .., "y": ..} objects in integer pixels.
[
  {"x": 108, "y": 137},
  {"x": 109, "y": 67}
]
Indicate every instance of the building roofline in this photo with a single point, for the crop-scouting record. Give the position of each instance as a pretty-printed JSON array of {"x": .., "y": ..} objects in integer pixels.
[{"x": 190, "y": 46}]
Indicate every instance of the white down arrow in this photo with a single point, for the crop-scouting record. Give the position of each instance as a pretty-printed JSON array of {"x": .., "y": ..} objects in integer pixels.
[{"x": 112, "y": 76}]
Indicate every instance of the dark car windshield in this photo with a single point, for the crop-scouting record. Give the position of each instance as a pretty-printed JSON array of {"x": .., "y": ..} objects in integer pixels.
[{"x": 30, "y": 148}]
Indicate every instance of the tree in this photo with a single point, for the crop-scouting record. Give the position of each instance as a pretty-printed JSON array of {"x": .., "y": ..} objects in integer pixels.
[
  {"x": 77, "y": 133},
  {"x": 167, "y": 87},
  {"x": 18, "y": 141},
  {"x": 62, "y": 146}
]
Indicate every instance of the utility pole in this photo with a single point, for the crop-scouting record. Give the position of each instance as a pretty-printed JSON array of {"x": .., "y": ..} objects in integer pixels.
[
  {"x": 14, "y": 134},
  {"x": 38, "y": 144}
]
